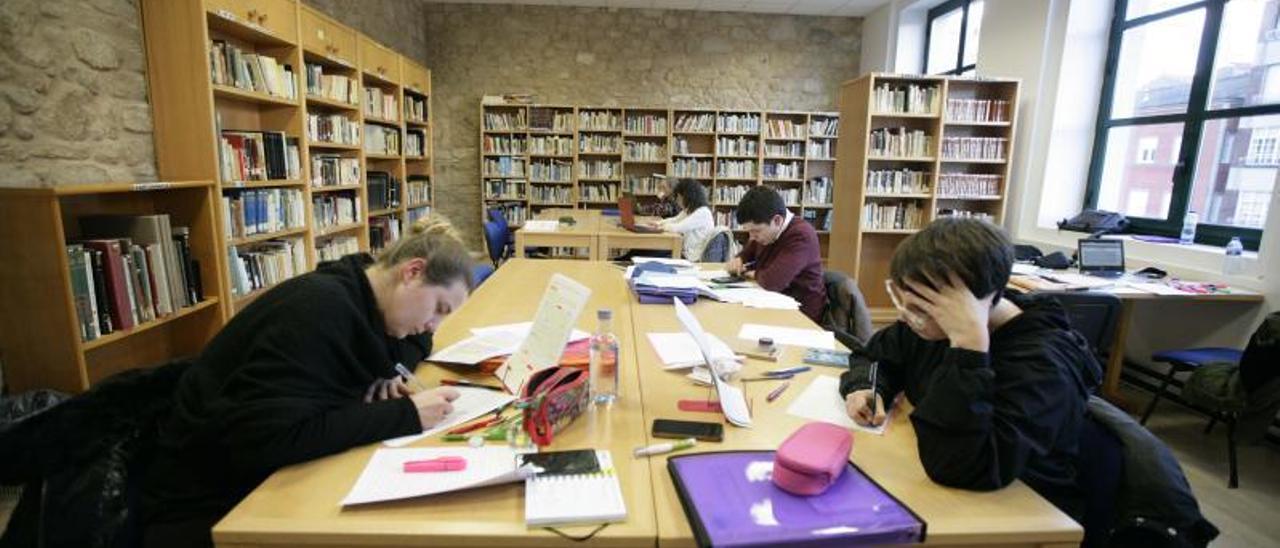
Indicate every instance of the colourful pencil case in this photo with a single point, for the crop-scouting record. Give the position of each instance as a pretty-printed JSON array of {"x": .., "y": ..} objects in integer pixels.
[{"x": 812, "y": 458}]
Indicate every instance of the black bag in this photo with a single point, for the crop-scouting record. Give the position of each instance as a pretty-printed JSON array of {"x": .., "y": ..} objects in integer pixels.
[{"x": 1096, "y": 222}]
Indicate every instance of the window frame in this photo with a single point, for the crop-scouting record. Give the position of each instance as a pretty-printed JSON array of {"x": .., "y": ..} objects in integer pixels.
[
  {"x": 938, "y": 11},
  {"x": 1193, "y": 120}
]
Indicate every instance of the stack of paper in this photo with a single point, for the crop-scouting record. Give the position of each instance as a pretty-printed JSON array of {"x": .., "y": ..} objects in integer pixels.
[
  {"x": 533, "y": 225},
  {"x": 491, "y": 342},
  {"x": 754, "y": 297},
  {"x": 791, "y": 336},
  {"x": 471, "y": 404},
  {"x": 680, "y": 351}
]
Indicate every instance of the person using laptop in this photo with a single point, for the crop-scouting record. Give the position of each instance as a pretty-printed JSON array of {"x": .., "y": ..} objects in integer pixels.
[
  {"x": 998, "y": 381},
  {"x": 694, "y": 222},
  {"x": 782, "y": 253}
]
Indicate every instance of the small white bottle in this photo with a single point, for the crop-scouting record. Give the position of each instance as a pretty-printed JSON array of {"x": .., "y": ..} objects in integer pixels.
[
  {"x": 1189, "y": 228},
  {"x": 603, "y": 362},
  {"x": 1233, "y": 263}
]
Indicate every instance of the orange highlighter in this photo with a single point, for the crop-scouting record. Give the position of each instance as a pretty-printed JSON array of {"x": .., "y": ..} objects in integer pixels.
[{"x": 441, "y": 464}]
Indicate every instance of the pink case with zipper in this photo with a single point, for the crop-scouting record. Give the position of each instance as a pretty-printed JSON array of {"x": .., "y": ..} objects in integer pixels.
[{"x": 812, "y": 458}]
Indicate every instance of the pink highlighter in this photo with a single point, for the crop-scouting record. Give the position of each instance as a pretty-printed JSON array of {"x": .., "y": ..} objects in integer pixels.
[{"x": 442, "y": 464}]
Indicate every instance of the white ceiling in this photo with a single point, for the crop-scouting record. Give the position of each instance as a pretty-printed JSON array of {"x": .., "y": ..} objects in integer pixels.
[{"x": 844, "y": 8}]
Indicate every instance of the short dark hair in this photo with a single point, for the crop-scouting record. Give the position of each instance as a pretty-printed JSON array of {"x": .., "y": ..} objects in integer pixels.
[
  {"x": 693, "y": 194},
  {"x": 977, "y": 251},
  {"x": 759, "y": 205}
]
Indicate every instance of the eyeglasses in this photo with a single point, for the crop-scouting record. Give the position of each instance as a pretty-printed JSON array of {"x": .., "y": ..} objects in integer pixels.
[{"x": 912, "y": 319}]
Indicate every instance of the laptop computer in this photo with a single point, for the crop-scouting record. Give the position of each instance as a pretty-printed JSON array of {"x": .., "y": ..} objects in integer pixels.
[
  {"x": 627, "y": 214},
  {"x": 1101, "y": 257}
]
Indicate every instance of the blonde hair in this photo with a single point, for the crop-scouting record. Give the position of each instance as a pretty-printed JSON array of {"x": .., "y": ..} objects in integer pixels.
[{"x": 436, "y": 240}]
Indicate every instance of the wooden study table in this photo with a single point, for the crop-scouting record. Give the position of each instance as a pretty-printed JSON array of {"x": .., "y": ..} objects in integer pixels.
[
  {"x": 595, "y": 232},
  {"x": 300, "y": 504},
  {"x": 613, "y": 236},
  {"x": 1013, "y": 516}
]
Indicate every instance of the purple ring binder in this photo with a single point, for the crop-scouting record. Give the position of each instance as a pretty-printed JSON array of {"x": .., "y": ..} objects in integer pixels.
[{"x": 730, "y": 500}]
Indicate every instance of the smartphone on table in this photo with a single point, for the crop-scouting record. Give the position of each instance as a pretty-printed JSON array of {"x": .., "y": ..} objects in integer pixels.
[{"x": 703, "y": 431}]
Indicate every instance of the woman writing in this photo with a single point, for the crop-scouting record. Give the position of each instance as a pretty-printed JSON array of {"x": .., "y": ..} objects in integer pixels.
[{"x": 694, "y": 222}]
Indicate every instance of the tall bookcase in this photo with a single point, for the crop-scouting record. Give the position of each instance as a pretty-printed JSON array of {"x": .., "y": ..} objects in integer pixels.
[
  {"x": 555, "y": 156},
  {"x": 40, "y": 337},
  {"x": 913, "y": 148},
  {"x": 355, "y": 106}
]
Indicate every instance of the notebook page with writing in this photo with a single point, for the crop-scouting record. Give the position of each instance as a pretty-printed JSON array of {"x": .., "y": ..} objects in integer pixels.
[{"x": 576, "y": 499}]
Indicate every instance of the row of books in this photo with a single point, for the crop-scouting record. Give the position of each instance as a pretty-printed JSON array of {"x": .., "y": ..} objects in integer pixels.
[
  {"x": 551, "y": 194},
  {"x": 681, "y": 146},
  {"x": 645, "y": 151},
  {"x": 968, "y": 184},
  {"x": 262, "y": 211},
  {"x": 504, "y": 167},
  {"x": 974, "y": 148},
  {"x": 893, "y": 216},
  {"x": 551, "y": 145},
  {"x": 700, "y": 122},
  {"x": 384, "y": 190},
  {"x": 824, "y": 127},
  {"x": 597, "y": 143},
  {"x": 334, "y": 87},
  {"x": 265, "y": 264},
  {"x": 819, "y": 218},
  {"x": 551, "y": 170},
  {"x": 905, "y": 99},
  {"x": 736, "y": 168},
  {"x": 964, "y": 214},
  {"x": 258, "y": 156},
  {"x": 691, "y": 167},
  {"x": 380, "y": 104},
  {"x": 335, "y": 248},
  {"x": 381, "y": 139},
  {"x": 819, "y": 190},
  {"x": 899, "y": 143},
  {"x": 383, "y": 231},
  {"x": 598, "y": 192},
  {"x": 739, "y": 146},
  {"x": 642, "y": 184},
  {"x": 599, "y": 120},
  {"x": 515, "y": 214},
  {"x": 648, "y": 124},
  {"x": 738, "y": 123},
  {"x": 418, "y": 189},
  {"x": 790, "y": 196},
  {"x": 415, "y": 144},
  {"x": 727, "y": 218},
  {"x": 419, "y": 213},
  {"x": 822, "y": 149},
  {"x": 505, "y": 120},
  {"x": 332, "y": 128},
  {"x": 503, "y": 144},
  {"x": 786, "y": 129},
  {"x": 415, "y": 108},
  {"x": 545, "y": 119},
  {"x": 600, "y": 169},
  {"x": 783, "y": 170},
  {"x": 726, "y": 194},
  {"x": 897, "y": 181},
  {"x": 231, "y": 66},
  {"x": 504, "y": 189},
  {"x": 784, "y": 149},
  {"x": 335, "y": 209},
  {"x": 334, "y": 170},
  {"x": 130, "y": 270},
  {"x": 977, "y": 110}
]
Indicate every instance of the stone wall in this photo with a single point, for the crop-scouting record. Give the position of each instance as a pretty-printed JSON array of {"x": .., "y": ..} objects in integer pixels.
[
  {"x": 607, "y": 57},
  {"x": 73, "y": 93}
]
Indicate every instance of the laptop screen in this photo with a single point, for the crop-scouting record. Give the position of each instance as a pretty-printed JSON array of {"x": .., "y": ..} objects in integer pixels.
[{"x": 1099, "y": 254}]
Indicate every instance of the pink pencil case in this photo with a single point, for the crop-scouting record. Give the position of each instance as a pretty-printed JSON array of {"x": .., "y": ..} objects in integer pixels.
[{"x": 812, "y": 458}]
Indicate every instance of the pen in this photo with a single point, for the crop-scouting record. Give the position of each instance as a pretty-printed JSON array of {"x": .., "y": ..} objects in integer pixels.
[
  {"x": 461, "y": 382},
  {"x": 874, "y": 367},
  {"x": 475, "y": 425},
  {"x": 664, "y": 448},
  {"x": 777, "y": 392},
  {"x": 404, "y": 372},
  {"x": 495, "y": 435}
]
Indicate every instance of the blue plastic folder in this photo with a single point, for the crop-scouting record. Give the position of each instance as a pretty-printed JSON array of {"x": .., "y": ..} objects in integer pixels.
[
  {"x": 730, "y": 500},
  {"x": 648, "y": 294}
]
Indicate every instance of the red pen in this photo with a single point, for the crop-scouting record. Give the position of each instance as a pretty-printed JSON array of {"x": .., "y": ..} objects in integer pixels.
[
  {"x": 777, "y": 392},
  {"x": 474, "y": 426},
  {"x": 441, "y": 464}
]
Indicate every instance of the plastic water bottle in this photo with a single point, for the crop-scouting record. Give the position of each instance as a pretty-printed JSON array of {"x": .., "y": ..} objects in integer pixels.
[
  {"x": 604, "y": 360},
  {"x": 1189, "y": 228},
  {"x": 1233, "y": 263}
]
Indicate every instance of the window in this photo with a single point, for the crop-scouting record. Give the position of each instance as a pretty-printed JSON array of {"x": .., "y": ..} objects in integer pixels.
[
  {"x": 951, "y": 37},
  {"x": 1205, "y": 76}
]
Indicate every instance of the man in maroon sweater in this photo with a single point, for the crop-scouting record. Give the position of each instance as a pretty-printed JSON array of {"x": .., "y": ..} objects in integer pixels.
[{"x": 783, "y": 253}]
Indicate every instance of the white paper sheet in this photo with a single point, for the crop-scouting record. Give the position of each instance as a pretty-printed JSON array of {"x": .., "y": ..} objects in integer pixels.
[
  {"x": 1027, "y": 269},
  {"x": 518, "y": 332},
  {"x": 536, "y": 225},
  {"x": 754, "y": 297},
  {"x": 680, "y": 351},
  {"x": 821, "y": 401},
  {"x": 732, "y": 402},
  {"x": 384, "y": 477},
  {"x": 471, "y": 404},
  {"x": 708, "y": 275},
  {"x": 476, "y": 348},
  {"x": 557, "y": 313},
  {"x": 791, "y": 336},
  {"x": 1156, "y": 288}
]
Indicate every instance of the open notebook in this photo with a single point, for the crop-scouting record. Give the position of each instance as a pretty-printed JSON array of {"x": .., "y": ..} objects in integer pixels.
[{"x": 566, "y": 495}]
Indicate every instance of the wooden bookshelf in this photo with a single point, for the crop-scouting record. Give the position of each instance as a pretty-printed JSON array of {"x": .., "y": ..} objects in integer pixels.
[
  {"x": 947, "y": 182},
  {"x": 38, "y": 283},
  {"x": 190, "y": 111},
  {"x": 654, "y": 141}
]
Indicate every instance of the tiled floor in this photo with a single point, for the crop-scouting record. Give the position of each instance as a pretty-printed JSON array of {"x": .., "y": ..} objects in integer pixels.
[{"x": 1246, "y": 515}]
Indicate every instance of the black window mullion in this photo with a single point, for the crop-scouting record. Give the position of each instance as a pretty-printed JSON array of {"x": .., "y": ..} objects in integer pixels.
[
  {"x": 1197, "y": 102},
  {"x": 938, "y": 11},
  {"x": 964, "y": 31},
  {"x": 1153, "y": 17}
]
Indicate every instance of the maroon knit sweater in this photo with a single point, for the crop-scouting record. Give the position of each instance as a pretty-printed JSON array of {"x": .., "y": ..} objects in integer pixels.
[{"x": 791, "y": 265}]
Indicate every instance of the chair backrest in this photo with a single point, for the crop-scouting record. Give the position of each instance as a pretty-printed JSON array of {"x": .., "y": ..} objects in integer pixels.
[
  {"x": 1095, "y": 316},
  {"x": 718, "y": 247},
  {"x": 1258, "y": 363},
  {"x": 1099, "y": 469},
  {"x": 495, "y": 239},
  {"x": 496, "y": 216},
  {"x": 479, "y": 273},
  {"x": 846, "y": 310}
]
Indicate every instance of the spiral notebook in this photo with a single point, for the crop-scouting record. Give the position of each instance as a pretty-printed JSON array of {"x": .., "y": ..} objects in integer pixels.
[{"x": 553, "y": 498}]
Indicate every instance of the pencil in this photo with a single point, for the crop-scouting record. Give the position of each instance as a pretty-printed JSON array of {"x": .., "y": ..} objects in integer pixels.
[
  {"x": 777, "y": 392},
  {"x": 461, "y": 382}
]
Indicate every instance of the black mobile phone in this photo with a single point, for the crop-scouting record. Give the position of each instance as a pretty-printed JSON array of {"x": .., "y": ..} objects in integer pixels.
[
  {"x": 705, "y": 431},
  {"x": 727, "y": 280}
]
